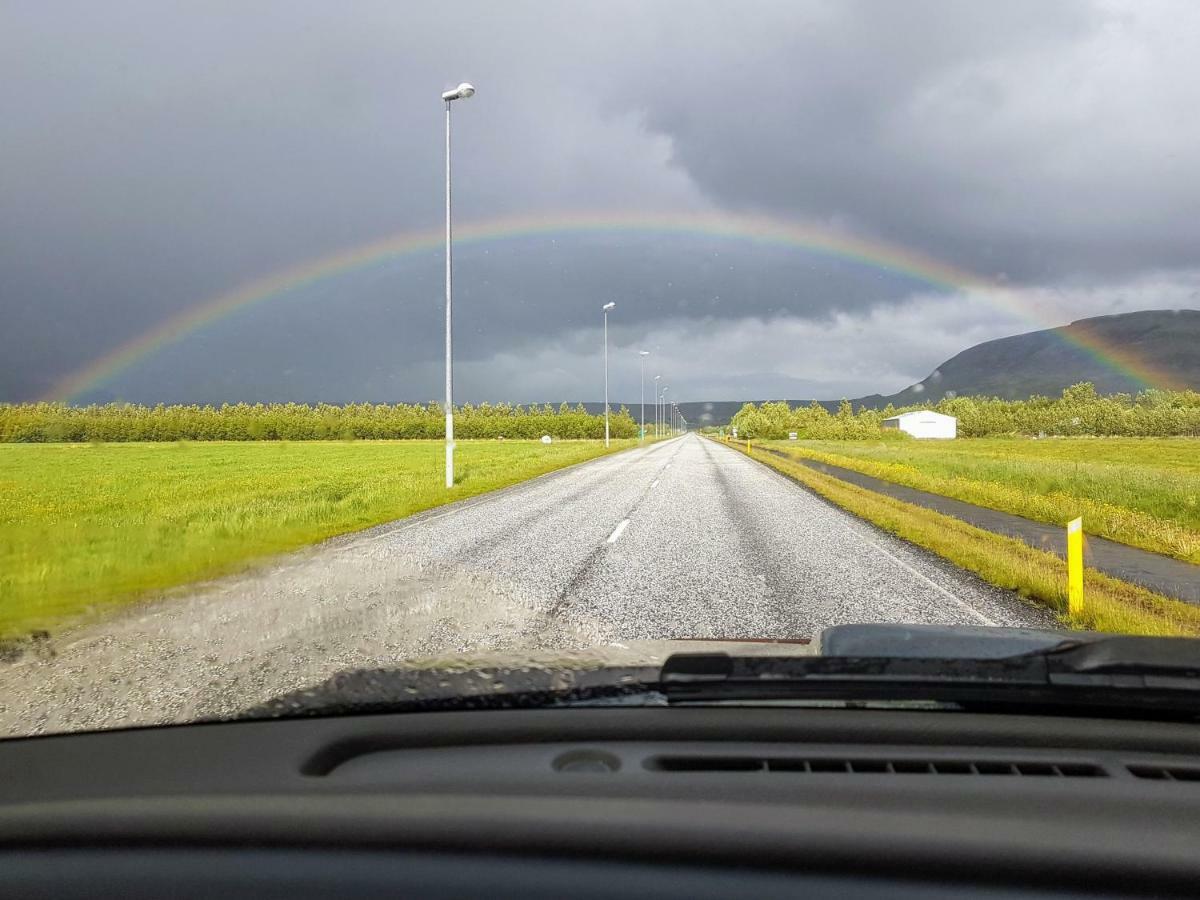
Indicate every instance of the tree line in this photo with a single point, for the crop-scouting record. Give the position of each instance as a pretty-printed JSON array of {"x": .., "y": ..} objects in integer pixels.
[
  {"x": 1079, "y": 411},
  {"x": 117, "y": 422}
]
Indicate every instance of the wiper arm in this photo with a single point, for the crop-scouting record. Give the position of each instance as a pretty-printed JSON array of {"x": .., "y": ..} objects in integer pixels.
[
  {"x": 1127, "y": 662},
  {"x": 1067, "y": 673},
  {"x": 1115, "y": 674},
  {"x": 697, "y": 673}
]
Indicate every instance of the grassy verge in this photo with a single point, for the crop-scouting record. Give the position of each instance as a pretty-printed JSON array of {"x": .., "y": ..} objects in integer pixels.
[
  {"x": 88, "y": 526},
  {"x": 1140, "y": 491},
  {"x": 1110, "y": 604}
]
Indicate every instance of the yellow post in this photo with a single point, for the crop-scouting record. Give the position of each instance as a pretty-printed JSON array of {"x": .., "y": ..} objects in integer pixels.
[
  {"x": 1075, "y": 567},
  {"x": 747, "y": 446}
]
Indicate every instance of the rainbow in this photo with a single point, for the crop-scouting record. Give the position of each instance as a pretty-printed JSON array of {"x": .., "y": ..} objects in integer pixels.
[{"x": 759, "y": 229}]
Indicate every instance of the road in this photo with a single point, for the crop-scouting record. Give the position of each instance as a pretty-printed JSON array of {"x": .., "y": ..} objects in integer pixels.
[{"x": 684, "y": 538}]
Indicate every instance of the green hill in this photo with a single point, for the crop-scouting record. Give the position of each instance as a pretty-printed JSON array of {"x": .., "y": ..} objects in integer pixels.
[
  {"x": 1041, "y": 362},
  {"x": 1045, "y": 362}
]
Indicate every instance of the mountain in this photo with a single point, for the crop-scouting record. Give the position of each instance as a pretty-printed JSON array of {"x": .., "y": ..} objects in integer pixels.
[
  {"x": 1041, "y": 362},
  {"x": 1045, "y": 362}
]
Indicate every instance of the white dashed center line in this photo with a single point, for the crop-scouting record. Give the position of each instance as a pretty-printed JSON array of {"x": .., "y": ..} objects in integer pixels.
[{"x": 612, "y": 538}]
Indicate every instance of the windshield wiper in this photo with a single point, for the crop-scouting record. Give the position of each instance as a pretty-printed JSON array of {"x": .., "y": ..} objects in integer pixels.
[
  {"x": 1116, "y": 675},
  {"x": 412, "y": 689},
  {"x": 1069, "y": 673}
]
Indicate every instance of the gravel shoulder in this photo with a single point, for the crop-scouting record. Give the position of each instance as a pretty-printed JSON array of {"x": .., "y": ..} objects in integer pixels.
[{"x": 681, "y": 539}]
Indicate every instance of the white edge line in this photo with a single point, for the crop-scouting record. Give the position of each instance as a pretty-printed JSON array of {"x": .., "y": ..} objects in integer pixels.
[
  {"x": 612, "y": 538},
  {"x": 654, "y": 483},
  {"x": 983, "y": 620},
  {"x": 966, "y": 607}
]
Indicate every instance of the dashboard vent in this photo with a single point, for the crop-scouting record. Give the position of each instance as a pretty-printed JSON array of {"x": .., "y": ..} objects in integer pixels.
[
  {"x": 878, "y": 766},
  {"x": 1165, "y": 773}
]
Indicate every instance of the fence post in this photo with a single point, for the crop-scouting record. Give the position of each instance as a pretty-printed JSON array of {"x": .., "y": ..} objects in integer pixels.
[{"x": 1075, "y": 566}]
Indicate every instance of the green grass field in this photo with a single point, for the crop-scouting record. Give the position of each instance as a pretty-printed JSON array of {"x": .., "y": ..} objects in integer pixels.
[
  {"x": 88, "y": 526},
  {"x": 1140, "y": 491}
]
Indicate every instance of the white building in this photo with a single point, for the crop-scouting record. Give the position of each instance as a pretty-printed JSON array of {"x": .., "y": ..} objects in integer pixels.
[{"x": 924, "y": 423}]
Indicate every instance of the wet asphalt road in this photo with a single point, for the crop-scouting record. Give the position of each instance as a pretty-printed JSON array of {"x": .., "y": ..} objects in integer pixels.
[{"x": 682, "y": 539}]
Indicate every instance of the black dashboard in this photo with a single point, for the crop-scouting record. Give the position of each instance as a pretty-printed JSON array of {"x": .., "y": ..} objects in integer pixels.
[{"x": 694, "y": 802}]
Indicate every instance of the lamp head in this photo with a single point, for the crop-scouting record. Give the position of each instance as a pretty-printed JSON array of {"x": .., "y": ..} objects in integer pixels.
[{"x": 462, "y": 92}]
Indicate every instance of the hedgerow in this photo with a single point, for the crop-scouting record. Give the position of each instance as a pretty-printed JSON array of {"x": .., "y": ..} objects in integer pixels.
[
  {"x": 118, "y": 422},
  {"x": 1079, "y": 411}
]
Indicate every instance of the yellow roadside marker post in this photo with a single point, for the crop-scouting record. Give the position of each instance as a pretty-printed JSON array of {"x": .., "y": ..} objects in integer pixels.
[{"x": 1075, "y": 567}]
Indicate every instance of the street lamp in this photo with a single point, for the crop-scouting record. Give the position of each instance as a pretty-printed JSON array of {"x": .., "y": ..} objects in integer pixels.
[
  {"x": 656, "y": 378},
  {"x": 642, "y": 354},
  {"x": 462, "y": 92},
  {"x": 606, "y": 308},
  {"x": 666, "y": 429}
]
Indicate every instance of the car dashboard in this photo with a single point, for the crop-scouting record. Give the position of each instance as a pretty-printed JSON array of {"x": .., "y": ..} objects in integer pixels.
[{"x": 605, "y": 802}]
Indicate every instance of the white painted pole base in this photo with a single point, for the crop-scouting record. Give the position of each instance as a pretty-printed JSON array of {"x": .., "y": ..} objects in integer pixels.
[{"x": 449, "y": 451}]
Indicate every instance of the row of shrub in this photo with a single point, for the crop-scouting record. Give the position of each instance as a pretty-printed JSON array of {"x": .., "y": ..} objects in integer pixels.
[
  {"x": 1079, "y": 411},
  {"x": 54, "y": 422}
]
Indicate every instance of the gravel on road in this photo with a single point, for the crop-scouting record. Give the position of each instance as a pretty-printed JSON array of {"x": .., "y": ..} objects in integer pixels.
[{"x": 680, "y": 539}]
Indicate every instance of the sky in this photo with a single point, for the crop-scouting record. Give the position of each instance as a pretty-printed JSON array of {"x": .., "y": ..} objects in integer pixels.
[{"x": 159, "y": 155}]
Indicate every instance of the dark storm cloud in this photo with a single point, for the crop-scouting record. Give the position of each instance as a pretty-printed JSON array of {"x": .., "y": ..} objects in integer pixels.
[
  {"x": 1034, "y": 139},
  {"x": 158, "y": 154}
]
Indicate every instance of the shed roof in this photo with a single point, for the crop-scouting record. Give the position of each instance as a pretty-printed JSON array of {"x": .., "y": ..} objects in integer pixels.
[{"x": 918, "y": 412}]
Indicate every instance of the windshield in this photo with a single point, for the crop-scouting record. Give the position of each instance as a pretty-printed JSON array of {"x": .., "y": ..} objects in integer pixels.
[{"x": 530, "y": 334}]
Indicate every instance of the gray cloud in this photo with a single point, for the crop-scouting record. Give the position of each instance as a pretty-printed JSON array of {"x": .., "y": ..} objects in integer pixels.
[
  {"x": 1031, "y": 139},
  {"x": 158, "y": 154}
]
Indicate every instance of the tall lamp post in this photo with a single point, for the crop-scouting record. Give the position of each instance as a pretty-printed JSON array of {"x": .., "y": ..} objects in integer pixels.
[
  {"x": 642, "y": 354},
  {"x": 462, "y": 92},
  {"x": 656, "y": 378},
  {"x": 606, "y": 308},
  {"x": 666, "y": 427}
]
